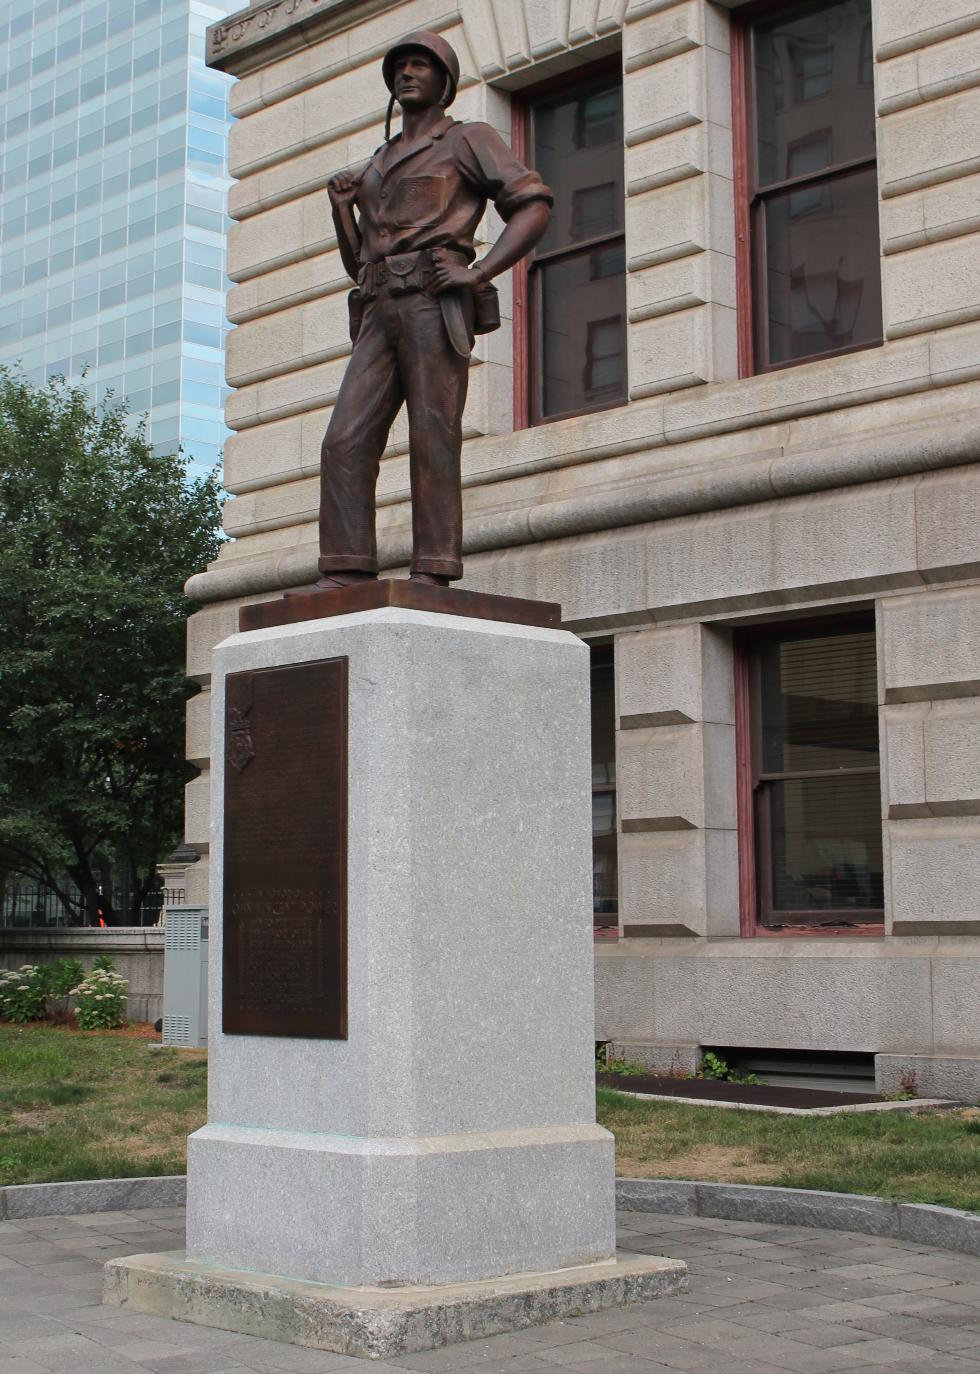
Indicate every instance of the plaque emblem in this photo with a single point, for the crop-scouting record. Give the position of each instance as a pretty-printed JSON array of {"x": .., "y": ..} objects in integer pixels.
[{"x": 241, "y": 750}]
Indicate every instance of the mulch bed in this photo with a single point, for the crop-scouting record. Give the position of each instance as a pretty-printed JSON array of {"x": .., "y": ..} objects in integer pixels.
[
  {"x": 751, "y": 1094},
  {"x": 132, "y": 1030}
]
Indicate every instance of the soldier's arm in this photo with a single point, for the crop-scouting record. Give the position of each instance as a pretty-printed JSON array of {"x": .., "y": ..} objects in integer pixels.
[
  {"x": 519, "y": 194},
  {"x": 342, "y": 189},
  {"x": 521, "y": 232}
]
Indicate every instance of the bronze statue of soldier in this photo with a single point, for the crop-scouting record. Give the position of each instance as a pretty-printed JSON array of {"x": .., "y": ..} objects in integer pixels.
[{"x": 419, "y": 301}]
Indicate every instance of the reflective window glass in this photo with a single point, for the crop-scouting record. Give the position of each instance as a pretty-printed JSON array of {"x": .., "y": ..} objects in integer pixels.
[
  {"x": 199, "y": 394},
  {"x": 816, "y": 776},
  {"x": 823, "y": 267},
  {"x": 813, "y": 183},
  {"x": 578, "y": 149},
  {"x": 583, "y": 335},
  {"x": 166, "y": 334},
  {"x": 202, "y": 371},
  {"x": 577, "y": 275}
]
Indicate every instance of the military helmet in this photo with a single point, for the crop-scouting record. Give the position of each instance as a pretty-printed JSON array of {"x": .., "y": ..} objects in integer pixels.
[{"x": 436, "y": 47}]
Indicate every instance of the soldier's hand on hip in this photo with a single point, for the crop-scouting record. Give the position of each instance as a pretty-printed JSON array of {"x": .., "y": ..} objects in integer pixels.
[
  {"x": 342, "y": 189},
  {"x": 451, "y": 276}
]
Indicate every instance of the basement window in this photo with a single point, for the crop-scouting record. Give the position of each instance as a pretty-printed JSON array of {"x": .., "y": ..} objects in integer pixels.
[{"x": 810, "y": 826}]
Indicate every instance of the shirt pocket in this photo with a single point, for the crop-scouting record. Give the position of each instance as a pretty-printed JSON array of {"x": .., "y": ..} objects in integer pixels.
[{"x": 420, "y": 202}]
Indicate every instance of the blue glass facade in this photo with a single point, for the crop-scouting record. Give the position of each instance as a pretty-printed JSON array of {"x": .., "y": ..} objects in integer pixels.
[{"x": 113, "y": 180}]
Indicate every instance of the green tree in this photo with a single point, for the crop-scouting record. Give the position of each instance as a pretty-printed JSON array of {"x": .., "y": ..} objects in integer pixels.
[{"x": 97, "y": 536}]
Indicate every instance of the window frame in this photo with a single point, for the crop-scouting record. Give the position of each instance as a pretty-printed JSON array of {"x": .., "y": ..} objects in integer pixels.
[
  {"x": 527, "y": 285},
  {"x": 751, "y": 283},
  {"x": 754, "y": 859}
]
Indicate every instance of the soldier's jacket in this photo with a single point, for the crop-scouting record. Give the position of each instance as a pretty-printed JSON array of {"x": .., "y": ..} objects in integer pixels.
[{"x": 434, "y": 193}]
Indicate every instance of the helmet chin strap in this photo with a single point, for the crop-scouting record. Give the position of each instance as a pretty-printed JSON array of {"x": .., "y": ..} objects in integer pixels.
[{"x": 444, "y": 100}]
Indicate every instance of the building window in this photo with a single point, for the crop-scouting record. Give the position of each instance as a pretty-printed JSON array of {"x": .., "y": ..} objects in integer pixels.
[
  {"x": 809, "y": 789},
  {"x": 570, "y": 298},
  {"x": 605, "y": 903},
  {"x": 806, "y": 182}
]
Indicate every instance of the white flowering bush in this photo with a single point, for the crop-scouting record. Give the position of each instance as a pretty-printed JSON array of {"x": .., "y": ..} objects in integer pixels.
[
  {"x": 100, "y": 1000},
  {"x": 23, "y": 993}
]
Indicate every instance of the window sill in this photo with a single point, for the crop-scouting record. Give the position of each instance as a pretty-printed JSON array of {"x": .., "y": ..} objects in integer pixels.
[
  {"x": 763, "y": 369},
  {"x": 616, "y": 404},
  {"x": 872, "y": 931}
]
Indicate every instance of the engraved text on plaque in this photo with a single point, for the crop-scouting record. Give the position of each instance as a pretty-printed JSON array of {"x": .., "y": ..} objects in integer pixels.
[{"x": 285, "y": 851}]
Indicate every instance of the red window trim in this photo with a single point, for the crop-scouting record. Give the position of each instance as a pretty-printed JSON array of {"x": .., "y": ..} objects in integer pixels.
[
  {"x": 520, "y": 142},
  {"x": 746, "y": 730}
]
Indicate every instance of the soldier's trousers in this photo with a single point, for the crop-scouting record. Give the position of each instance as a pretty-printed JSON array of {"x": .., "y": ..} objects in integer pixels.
[{"x": 402, "y": 353}]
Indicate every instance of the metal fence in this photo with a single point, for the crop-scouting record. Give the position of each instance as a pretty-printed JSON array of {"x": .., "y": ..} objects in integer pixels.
[{"x": 34, "y": 905}]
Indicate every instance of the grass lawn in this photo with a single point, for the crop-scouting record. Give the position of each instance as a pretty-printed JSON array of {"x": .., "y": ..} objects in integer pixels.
[
  {"x": 94, "y": 1104},
  {"x": 101, "y": 1104},
  {"x": 907, "y": 1157}
]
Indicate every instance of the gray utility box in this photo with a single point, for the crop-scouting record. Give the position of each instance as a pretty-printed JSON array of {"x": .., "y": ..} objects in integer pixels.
[{"x": 185, "y": 976}]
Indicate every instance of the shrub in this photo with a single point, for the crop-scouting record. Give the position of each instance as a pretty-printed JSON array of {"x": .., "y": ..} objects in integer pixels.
[
  {"x": 103, "y": 962},
  {"x": 604, "y": 1063},
  {"x": 621, "y": 1066},
  {"x": 716, "y": 1069},
  {"x": 66, "y": 974},
  {"x": 41, "y": 977},
  {"x": 100, "y": 1000},
  {"x": 23, "y": 993}
]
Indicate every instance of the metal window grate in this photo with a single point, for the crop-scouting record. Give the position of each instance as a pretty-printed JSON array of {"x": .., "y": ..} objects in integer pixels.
[
  {"x": 182, "y": 930},
  {"x": 177, "y": 1030}
]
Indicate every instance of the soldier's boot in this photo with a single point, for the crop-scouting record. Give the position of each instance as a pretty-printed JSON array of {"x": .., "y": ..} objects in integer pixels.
[
  {"x": 330, "y": 582},
  {"x": 430, "y": 579}
]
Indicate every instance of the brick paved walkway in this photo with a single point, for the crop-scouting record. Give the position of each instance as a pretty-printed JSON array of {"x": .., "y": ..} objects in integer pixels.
[{"x": 762, "y": 1298}]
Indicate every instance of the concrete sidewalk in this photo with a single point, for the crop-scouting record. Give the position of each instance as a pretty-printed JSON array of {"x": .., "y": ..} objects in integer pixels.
[{"x": 763, "y": 1298}]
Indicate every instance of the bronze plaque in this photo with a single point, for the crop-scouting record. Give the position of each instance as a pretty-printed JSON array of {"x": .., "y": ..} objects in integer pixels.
[{"x": 285, "y": 851}]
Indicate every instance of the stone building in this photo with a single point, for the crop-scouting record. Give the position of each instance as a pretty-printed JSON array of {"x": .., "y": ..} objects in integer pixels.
[{"x": 731, "y": 423}]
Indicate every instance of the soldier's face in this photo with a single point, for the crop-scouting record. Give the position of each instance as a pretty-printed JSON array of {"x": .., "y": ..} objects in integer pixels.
[{"x": 419, "y": 81}]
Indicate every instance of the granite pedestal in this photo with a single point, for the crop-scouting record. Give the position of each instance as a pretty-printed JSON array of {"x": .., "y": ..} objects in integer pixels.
[{"x": 450, "y": 1139}]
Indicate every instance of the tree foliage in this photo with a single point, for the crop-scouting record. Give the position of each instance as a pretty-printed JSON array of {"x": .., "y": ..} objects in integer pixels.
[{"x": 97, "y": 535}]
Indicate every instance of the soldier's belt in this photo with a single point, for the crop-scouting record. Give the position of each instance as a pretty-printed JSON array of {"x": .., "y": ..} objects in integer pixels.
[{"x": 401, "y": 273}]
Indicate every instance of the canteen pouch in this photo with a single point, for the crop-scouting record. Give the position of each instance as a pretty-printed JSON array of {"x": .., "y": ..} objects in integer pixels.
[
  {"x": 406, "y": 273},
  {"x": 355, "y": 313},
  {"x": 486, "y": 316}
]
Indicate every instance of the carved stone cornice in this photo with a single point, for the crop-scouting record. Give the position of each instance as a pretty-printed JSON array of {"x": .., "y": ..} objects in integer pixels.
[{"x": 272, "y": 29}]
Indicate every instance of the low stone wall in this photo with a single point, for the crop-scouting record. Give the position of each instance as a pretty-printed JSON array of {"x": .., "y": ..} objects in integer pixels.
[
  {"x": 913, "y": 1003},
  {"x": 137, "y": 952},
  {"x": 919, "y": 1223},
  {"x": 957, "y": 1074}
]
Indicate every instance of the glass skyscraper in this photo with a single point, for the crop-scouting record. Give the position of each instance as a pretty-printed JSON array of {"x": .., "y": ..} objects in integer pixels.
[{"x": 113, "y": 180}]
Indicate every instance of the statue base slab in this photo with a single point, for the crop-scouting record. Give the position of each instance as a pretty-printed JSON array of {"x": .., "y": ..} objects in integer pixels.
[{"x": 380, "y": 1323}]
